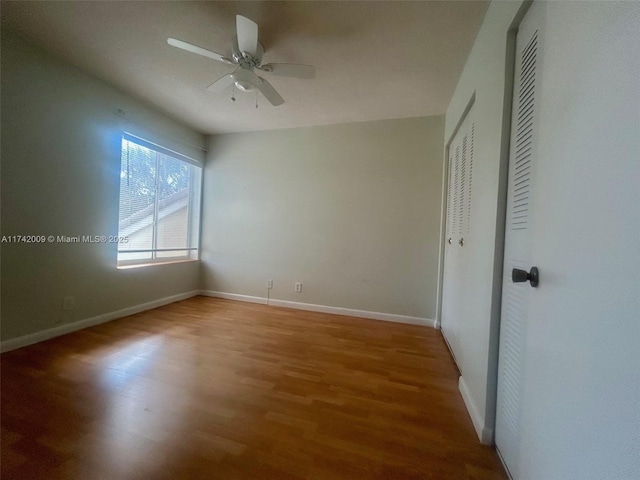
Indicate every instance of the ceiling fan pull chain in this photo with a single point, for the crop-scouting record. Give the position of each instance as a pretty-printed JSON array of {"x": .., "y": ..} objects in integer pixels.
[
  {"x": 233, "y": 93},
  {"x": 256, "y": 98}
]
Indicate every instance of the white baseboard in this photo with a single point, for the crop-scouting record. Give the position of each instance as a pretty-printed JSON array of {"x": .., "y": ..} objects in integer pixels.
[
  {"x": 388, "y": 317},
  {"x": 43, "y": 335},
  {"x": 484, "y": 433},
  {"x": 234, "y": 296}
]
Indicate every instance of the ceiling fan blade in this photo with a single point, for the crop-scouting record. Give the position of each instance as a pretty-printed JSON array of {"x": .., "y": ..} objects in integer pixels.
[
  {"x": 290, "y": 70},
  {"x": 220, "y": 84},
  {"x": 247, "y": 31},
  {"x": 269, "y": 92},
  {"x": 197, "y": 50}
]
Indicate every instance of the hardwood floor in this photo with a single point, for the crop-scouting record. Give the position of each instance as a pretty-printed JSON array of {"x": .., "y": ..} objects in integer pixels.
[{"x": 216, "y": 389}]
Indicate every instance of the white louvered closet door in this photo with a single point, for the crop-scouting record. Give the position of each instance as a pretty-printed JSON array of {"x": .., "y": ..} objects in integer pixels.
[
  {"x": 515, "y": 296},
  {"x": 449, "y": 315},
  {"x": 458, "y": 224}
]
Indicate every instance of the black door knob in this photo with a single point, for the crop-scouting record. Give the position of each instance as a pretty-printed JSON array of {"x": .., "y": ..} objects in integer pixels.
[{"x": 533, "y": 276}]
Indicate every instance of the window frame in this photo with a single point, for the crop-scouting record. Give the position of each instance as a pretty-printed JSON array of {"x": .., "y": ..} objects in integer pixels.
[{"x": 195, "y": 188}]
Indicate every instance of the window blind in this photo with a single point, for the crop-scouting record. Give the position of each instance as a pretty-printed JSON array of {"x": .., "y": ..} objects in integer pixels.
[{"x": 159, "y": 204}]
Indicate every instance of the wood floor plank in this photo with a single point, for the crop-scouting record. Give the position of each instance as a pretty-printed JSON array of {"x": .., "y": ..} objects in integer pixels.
[{"x": 216, "y": 389}]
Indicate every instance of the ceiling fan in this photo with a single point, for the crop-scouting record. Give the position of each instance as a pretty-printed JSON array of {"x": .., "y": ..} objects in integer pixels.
[{"x": 246, "y": 53}]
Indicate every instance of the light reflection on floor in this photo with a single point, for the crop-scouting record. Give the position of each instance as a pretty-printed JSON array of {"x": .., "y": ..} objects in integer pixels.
[
  {"x": 130, "y": 361},
  {"x": 141, "y": 413}
]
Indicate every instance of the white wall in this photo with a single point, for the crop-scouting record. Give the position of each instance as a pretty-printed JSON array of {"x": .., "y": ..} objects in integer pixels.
[
  {"x": 484, "y": 76},
  {"x": 351, "y": 211},
  {"x": 60, "y": 176}
]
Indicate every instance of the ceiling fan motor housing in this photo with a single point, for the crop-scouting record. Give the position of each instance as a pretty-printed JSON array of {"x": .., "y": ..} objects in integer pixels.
[{"x": 246, "y": 58}]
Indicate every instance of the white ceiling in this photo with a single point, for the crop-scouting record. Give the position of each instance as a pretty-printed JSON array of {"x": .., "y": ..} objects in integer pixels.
[{"x": 374, "y": 60}]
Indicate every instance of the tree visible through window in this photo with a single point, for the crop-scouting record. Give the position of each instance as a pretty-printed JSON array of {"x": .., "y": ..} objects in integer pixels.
[{"x": 159, "y": 204}]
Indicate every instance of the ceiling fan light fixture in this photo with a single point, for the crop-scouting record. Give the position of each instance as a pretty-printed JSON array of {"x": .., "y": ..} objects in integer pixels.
[{"x": 245, "y": 86}]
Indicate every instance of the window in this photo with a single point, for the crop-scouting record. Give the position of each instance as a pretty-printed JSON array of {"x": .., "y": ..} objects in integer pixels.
[{"x": 159, "y": 204}]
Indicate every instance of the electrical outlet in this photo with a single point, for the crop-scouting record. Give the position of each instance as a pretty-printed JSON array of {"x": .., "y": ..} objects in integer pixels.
[
  {"x": 68, "y": 304},
  {"x": 269, "y": 284},
  {"x": 298, "y": 287}
]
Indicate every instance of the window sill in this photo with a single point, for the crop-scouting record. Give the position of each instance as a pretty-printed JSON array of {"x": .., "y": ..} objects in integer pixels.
[{"x": 152, "y": 264}]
